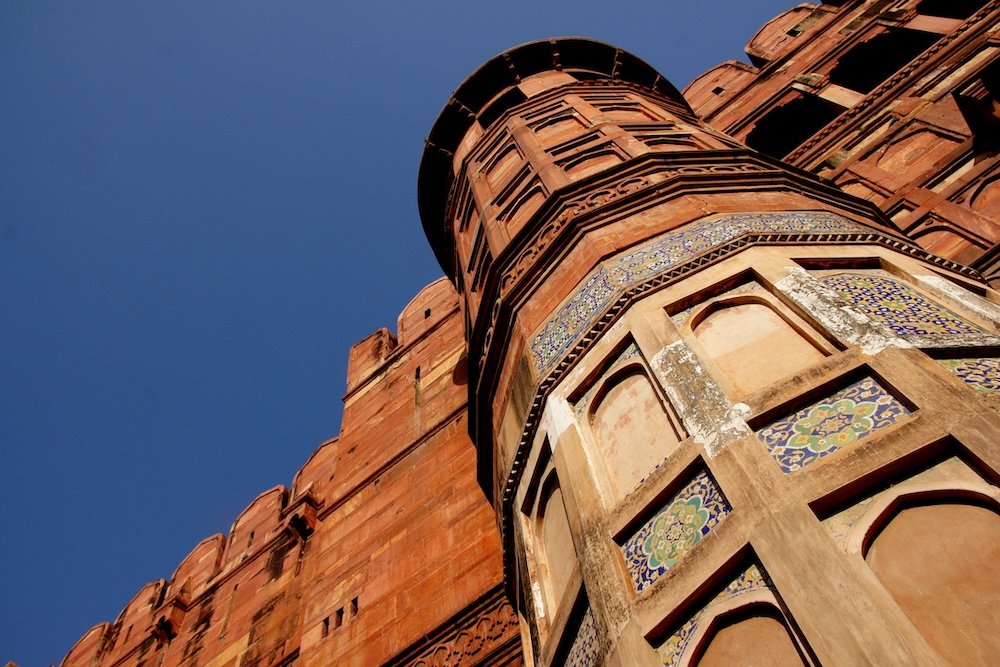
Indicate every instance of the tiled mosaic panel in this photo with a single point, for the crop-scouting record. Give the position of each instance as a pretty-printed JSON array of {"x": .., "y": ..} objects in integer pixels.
[
  {"x": 980, "y": 374},
  {"x": 583, "y": 652},
  {"x": 830, "y": 424},
  {"x": 605, "y": 283},
  {"x": 672, "y": 650},
  {"x": 673, "y": 531},
  {"x": 898, "y": 306}
]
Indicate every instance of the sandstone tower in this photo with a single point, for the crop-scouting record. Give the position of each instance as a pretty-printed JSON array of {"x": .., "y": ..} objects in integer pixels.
[
  {"x": 712, "y": 377},
  {"x": 726, "y": 413}
]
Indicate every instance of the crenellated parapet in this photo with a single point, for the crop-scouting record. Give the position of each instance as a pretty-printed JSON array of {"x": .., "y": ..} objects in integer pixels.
[{"x": 311, "y": 572}]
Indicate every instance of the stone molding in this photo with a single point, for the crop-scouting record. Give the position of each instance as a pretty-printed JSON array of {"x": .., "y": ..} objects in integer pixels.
[{"x": 484, "y": 629}]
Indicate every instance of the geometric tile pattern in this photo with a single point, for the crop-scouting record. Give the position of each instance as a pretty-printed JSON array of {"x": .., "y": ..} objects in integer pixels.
[
  {"x": 673, "y": 531},
  {"x": 583, "y": 652},
  {"x": 603, "y": 285},
  {"x": 830, "y": 424},
  {"x": 896, "y": 305},
  {"x": 980, "y": 374},
  {"x": 672, "y": 650}
]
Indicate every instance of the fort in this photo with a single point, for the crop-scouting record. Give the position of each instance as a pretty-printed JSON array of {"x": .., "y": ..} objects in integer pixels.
[{"x": 712, "y": 377}]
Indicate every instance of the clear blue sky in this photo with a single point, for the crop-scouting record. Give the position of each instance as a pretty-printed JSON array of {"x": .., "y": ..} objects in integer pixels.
[{"x": 202, "y": 205}]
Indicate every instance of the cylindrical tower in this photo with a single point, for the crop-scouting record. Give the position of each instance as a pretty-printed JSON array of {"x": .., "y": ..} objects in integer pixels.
[{"x": 720, "y": 407}]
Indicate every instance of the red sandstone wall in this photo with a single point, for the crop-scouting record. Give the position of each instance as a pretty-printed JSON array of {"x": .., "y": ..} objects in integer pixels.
[
  {"x": 383, "y": 550},
  {"x": 922, "y": 145}
]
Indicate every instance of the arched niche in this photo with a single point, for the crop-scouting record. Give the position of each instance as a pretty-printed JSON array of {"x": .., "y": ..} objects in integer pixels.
[
  {"x": 557, "y": 555},
  {"x": 751, "y": 343},
  {"x": 755, "y": 634},
  {"x": 947, "y": 241},
  {"x": 938, "y": 556},
  {"x": 631, "y": 427}
]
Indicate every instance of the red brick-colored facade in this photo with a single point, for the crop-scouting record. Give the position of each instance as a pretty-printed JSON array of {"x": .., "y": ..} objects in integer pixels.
[
  {"x": 863, "y": 138},
  {"x": 383, "y": 550},
  {"x": 897, "y": 102}
]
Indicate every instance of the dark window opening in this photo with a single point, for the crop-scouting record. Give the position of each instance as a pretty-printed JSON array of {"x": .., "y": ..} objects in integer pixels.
[
  {"x": 786, "y": 127},
  {"x": 339, "y": 618},
  {"x": 417, "y": 374},
  {"x": 980, "y": 106},
  {"x": 718, "y": 90},
  {"x": 511, "y": 98},
  {"x": 950, "y": 9},
  {"x": 354, "y": 607},
  {"x": 427, "y": 313},
  {"x": 870, "y": 63}
]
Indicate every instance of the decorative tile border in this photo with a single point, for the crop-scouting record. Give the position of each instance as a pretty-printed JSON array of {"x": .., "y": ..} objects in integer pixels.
[
  {"x": 583, "y": 652},
  {"x": 981, "y": 374},
  {"x": 614, "y": 276},
  {"x": 663, "y": 540},
  {"x": 897, "y": 305},
  {"x": 672, "y": 650},
  {"x": 830, "y": 424}
]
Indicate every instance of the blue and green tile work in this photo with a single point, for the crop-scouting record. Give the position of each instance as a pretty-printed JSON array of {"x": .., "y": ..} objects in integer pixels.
[
  {"x": 830, "y": 424},
  {"x": 662, "y": 541},
  {"x": 583, "y": 652},
  {"x": 672, "y": 650},
  {"x": 896, "y": 305},
  {"x": 611, "y": 279},
  {"x": 981, "y": 374}
]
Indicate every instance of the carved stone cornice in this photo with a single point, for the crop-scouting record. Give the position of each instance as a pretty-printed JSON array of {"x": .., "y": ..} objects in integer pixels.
[{"x": 474, "y": 636}]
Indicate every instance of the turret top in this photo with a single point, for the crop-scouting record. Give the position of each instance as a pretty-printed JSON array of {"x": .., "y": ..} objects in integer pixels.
[{"x": 489, "y": 91}]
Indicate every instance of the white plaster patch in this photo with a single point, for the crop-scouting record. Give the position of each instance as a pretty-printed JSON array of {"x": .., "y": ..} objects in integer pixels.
[
  {"x": 707, "y": 415},
  {"x": 843, "y": 321},
  {"x": 967, "y": 299},
  {"x": 557, "y": 418}
]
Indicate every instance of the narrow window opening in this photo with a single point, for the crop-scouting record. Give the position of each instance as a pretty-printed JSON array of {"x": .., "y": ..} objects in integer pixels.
[
  {"x": 354, "y": 607},
  {"x": 870, "y": 63},
  {"x": 427, "y": 313},
  {"x": 326, "y": 627},
  {"x": 339, "y": 618},
  {"x": 229, "y": 611},
  {"x": 250, "y": 540},
  {"x": 950, "y": 9},
  {"x": 786, "y": 127},
  {"x": 417, "y": 374}
]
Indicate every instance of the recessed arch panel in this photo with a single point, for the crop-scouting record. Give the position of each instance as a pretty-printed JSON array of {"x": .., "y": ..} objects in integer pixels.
[{"x": 941, "y": 562}]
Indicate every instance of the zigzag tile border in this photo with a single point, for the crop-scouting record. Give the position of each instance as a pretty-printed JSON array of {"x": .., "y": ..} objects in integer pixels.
[{"x": 607, "y": 282}]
